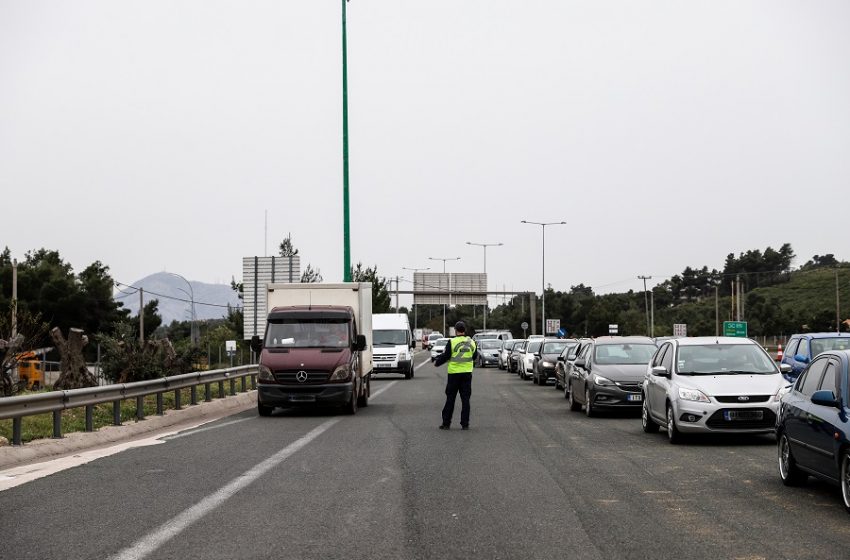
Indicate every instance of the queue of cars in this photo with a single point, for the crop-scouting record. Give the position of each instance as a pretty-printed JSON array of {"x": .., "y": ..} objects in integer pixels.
[{"x": 720, "y": 385}]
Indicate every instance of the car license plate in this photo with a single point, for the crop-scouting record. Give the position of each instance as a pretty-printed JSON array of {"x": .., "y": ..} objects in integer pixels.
[
  {"x": 302, "y": 398},
  {"x": 733, "y": 415},
  {"x": 380, "y": 364},
  {"x": 635, "y": 398}
]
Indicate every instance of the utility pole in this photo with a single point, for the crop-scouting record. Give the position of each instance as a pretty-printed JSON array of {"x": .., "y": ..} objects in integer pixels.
[
  {"x": 415, "y": 309},
  {"x": 646, "y": 301},
  {"x": 14, "y": 298},
  {"x": 396, "y": 294},
  {"x": 485, "y": 245},
  {"x": 652, "y": 314},
  {"x": 837, "y": 305},
  {"x": 142, "y": 315},
  {"x": 543, "y": 278},
  {"x": 716, "y": 311}
]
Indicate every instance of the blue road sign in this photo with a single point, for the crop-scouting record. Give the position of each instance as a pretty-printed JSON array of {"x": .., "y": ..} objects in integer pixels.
[{"x": 562, "y": 332}]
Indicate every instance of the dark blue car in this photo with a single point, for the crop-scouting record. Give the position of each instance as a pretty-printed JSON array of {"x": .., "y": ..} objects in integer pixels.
[
  {"x": 802, "y": 348},
  {"x": 812, "y": 425}
]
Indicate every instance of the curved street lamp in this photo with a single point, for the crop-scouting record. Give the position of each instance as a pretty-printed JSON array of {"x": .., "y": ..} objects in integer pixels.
[
  {"x": 543, "y": 227},
  {"x": 485, "y": 245},
  {"x": 193, "y": 334}
]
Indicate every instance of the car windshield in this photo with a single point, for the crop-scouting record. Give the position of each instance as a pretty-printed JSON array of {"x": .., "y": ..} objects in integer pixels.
[
  {"x": 820, "y": 345},
  {"x": 555, "y": 347},
  {"x": 300, "y": 333},
  {"x": 441, "y": 342},
  {"x": 490, "y": 344},
  {"x": 487, "y": 337},
  {"x": 534, "y": 346},
  {"x": 434, "y": 336},
  {"x": 623, "y": 354},
  {"x": 724, "y": 359},
  {"x": 389, "y": 338}
]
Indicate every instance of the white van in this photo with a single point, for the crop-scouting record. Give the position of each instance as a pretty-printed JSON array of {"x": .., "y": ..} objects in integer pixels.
[{"x": 392, "y": 342}]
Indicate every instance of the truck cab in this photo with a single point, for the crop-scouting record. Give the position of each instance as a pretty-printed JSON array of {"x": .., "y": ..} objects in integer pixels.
[{"x": 392, "y": 344}]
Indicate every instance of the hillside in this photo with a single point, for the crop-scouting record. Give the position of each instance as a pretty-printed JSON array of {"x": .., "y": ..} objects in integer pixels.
[{"x": 211, "y": 300}]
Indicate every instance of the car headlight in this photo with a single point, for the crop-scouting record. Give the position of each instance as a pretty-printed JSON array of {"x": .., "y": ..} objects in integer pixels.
[
  {"x": 265, "y": 374},
  {"x": 783, "y": 391},
  {"x": 692, "y": 395},
  {"x": 548, "y": 364},
  {"x": 402, "y": 356},
  {"x": 599, "y": 380},
  {"x": 342, "y": 373}
]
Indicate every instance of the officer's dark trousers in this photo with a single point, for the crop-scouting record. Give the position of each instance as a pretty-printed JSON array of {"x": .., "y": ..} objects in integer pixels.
[{"x": 457, "y": 383}]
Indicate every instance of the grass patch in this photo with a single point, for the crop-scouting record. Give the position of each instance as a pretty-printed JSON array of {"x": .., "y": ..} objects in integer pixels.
[{"x": 40, "y": 426}]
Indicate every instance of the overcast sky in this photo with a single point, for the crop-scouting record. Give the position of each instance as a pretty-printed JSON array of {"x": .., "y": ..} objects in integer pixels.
[{"x": 154, "y": 135}]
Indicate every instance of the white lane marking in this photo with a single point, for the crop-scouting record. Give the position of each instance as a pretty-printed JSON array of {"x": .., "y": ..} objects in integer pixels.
[
  {"x": 420, "y": 365},
  {"x": 208, "y": 428},
  {"x": 151, "y": 542}
]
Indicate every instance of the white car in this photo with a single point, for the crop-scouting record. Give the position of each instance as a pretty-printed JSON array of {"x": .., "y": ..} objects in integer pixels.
[
  {"x": 711, "y": 385},
  {"x": 527, "y": 365},
  {"x": 505, "y": 353},
  {"x": 438, "y": 347},
  {"x": 432, "y": 338}
]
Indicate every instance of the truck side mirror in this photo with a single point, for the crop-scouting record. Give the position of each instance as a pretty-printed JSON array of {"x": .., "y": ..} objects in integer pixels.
[
  {"x": 256, "y": 344},
  {"x": 413, "y": 344},
  {"x": 360, "y": 343}
]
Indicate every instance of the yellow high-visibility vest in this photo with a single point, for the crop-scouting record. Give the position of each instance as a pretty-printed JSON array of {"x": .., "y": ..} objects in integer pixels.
[{"x": 463, "y": 349}]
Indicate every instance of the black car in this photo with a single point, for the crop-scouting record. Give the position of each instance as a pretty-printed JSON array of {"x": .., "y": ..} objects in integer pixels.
[
  {"x": 812, "y": 425},
  {"x": 546, "y": 359},
  {"x": 565, "y": 364},
  {"x": 488, "y": 352}
]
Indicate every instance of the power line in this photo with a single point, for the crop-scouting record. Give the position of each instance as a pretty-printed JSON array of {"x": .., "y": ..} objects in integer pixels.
[{"x": 175, "y": 298}]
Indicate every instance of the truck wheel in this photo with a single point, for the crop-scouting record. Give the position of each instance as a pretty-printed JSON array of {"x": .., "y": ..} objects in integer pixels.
[
  {"x": 363, "y": 401},
  {"x": 263, "y": 410},
  {"x": 351, "y": 407},
  {"x": 409, "y": 373}
]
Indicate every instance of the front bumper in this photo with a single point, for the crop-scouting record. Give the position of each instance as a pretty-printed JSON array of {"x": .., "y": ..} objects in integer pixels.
[
  {"x": 395, "y": 366},
  {"x": 547, "y": 373},
  {"x": 303, "y": 395},
  {"x": 612, "y": 396},
  {"x": 699, "y": 417},
  {"x": 490, "y": 360}
]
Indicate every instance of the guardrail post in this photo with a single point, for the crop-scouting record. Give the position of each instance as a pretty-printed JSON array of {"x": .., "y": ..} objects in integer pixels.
[
  {"x": 254, "y": 382},
  {"x": 140, "y": 407},
  {"x": 194, "y": 395},
  {"x": 221, "y": 389},
  {"x": 177, "y": 404},
  {"x": 232, "y": 386},
  {"x": 244, "y": 384},
  {"x": 159, "y": 411},
  {"x": 116, "y": 413},
  {"x": 16, "y": 431},
  {"x": 207, "y": 392},
  {"x": 57, "y": 424},
  {"x": 90, "y": 418}
]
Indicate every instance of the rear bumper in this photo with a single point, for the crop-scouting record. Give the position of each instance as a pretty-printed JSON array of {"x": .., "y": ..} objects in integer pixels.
[{"x": 303, "y": 395}]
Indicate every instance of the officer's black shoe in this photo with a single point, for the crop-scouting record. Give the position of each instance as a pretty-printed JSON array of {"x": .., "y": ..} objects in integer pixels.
[
  {"x": 444, "y": 426},
  {"x": 464, "y": 427}
]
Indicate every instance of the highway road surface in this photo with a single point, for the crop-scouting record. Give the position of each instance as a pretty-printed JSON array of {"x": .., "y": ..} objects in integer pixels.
[{"x": 529, "y": 480}]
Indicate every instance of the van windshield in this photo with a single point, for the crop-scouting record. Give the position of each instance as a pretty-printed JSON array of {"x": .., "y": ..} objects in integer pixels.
[
  {"x": 301, "y": 333},
  {"x": 389, "y": 338}
]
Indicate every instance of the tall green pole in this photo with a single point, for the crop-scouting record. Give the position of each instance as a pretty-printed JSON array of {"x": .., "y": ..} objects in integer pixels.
[{"x": 346, "y": 235}]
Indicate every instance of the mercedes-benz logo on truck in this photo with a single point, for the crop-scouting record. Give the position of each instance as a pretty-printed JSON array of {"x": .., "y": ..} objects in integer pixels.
[{"x": 301, "y": 376}]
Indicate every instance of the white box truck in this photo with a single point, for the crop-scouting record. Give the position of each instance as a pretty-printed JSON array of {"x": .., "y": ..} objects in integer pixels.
[
  {"x": 393, "y": 343},
  {"x": 317, "y": 346}
]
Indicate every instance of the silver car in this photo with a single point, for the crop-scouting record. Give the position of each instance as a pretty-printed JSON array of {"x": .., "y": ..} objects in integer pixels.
[
  {"x": 438, "y": 346},
  {"x": 711, "y": 384}
]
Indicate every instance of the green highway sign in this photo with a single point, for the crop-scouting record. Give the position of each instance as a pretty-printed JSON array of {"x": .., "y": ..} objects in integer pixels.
[{"x": 735, "y": 328}]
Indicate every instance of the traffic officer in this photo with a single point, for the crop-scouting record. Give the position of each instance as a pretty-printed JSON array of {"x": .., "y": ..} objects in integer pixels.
[{"x": 460, "y": 353}]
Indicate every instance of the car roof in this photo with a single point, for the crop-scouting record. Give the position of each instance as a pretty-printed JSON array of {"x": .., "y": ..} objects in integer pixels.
[
  {"x": 822, "y": 335},
  {"x": 702, "y": 340},
  {"x": 624, "y": 340}
]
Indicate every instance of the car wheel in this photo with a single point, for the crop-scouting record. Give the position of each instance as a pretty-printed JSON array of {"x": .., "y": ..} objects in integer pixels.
[
  {"x": 673, "y": 433},
  {"x": 588, "y": 404},
  {"x": 574, "y": 406},
  {"x": 649, "y": 425},
  {"x": 351, "y": 407},
  {"x": 363, "y": 401},
  {"x": 534, "y": 378},
  {"x": 790, "y": 474},
  {"x": 845, "y": 479},
  {"x": 566, "y": 392},
  {"x": 264, "y": 410}
]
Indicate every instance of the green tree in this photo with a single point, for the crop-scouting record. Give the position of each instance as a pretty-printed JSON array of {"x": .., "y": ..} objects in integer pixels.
[
  {"x": 380, "y": 290},
  {"x": 287, "y": 249}
]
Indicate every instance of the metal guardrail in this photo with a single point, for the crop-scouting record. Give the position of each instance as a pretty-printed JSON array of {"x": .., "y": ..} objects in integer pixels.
[{"x": 17, "y": 408}]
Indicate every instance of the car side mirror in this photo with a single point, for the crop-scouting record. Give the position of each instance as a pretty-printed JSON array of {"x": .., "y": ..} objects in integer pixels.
[
  {"x": 561, "y": 358},
  {"x": 359, "y": 343},
  {"x": 660, "y": 371},
  {"x": 785, "y": 368},
  {"x": 537, "y": 354},
  {"x": 581, "y": 362},
  {"x": 825, "y": 398},
  {"x": 256, "y": 344},
  {"x": 802, "y": 358}
]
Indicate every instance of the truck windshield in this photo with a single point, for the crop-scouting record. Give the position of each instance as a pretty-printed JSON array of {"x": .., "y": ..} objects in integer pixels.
[
  {"x": 389, "y": 338},
  {"x": 300, "y": 333}
]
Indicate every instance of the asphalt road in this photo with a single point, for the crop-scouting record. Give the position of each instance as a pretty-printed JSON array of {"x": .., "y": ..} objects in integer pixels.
[{"x": 529, "y": 480}]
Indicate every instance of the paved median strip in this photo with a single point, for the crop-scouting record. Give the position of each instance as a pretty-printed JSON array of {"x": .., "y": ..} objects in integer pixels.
[{"x": 151, "y": 542}]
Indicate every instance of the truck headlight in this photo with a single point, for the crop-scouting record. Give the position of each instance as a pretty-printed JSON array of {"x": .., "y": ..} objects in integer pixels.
[
  {"x": 265, "y": 374},
  {"x": 599, "y": 380},
  {"x": 402, "y": 356},
  {"x": 693, "y": 395},
  {"x": 342, "y": 373}
]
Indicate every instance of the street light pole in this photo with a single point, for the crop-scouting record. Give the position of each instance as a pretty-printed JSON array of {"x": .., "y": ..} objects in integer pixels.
[
  {"x": 192, "y": 300},
  {"x": 646, "y": 301},
  {"x": 543, "y": 304},
  {"x": 346, "y": 227},
  {"x": 415, "y": 311},
  {"x": 485, "y": 245},
  {"x": 450, "y": 285}
]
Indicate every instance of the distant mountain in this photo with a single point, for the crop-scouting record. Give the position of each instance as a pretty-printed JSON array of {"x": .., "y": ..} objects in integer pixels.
[{"x": 174, "y": 297}]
